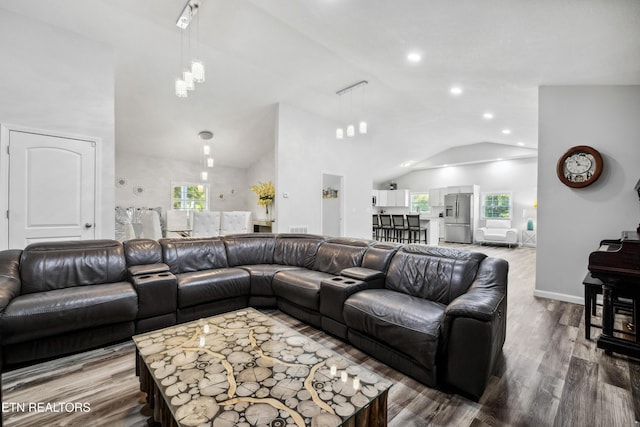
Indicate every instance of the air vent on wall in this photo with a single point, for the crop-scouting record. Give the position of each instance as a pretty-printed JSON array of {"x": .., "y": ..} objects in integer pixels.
[{"x": 298, "y": 229}]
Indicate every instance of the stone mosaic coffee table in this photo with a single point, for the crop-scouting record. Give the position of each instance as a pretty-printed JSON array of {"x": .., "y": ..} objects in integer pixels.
[{"x": 245, "y": 368}]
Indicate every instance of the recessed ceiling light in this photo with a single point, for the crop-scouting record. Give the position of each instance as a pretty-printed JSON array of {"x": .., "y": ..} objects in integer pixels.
[
  {"x": 487, "y": 116},
  {"x": 520, "y": 143},
  {"x": 406, "y": 164},
  {"x": 506, "y": 131},
  {"x": 445, "y": 165},
  {"x": 455, "y": 90},
  {"x": 414, "y": 57},
  {"x": 499, "y": 159}
]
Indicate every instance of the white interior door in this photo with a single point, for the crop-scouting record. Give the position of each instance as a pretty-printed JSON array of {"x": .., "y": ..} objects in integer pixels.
[
  {"x": 52, "y": 189},
  {"x": 332, "y": 200}
]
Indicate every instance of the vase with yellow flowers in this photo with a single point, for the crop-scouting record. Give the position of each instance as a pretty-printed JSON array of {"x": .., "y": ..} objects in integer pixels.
[{"x": 266, "y": 193}]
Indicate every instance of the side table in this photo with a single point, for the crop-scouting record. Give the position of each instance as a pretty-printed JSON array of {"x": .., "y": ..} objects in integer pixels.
[{"x": 529, "y": 238}]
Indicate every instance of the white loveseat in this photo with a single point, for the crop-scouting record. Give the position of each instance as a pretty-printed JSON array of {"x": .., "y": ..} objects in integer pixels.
[
  {"x": 497, "y": 231},
  {"x": 211, "y": 224}
]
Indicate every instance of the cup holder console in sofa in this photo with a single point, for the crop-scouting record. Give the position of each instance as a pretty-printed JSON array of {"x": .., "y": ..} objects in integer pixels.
[{"x": 436, "y": 314}]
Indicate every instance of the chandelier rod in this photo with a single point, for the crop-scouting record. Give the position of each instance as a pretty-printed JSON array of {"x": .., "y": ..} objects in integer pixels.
[{"x": 353, "y": 86}]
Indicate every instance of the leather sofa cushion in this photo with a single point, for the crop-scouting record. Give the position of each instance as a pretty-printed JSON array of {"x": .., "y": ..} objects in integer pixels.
[
  {"x": 187, "y": 255},
  {"x": 247, "y": 249},
  {"x": 297, "y": 250},
  {"x": 332, "y": 258},
  {"x": 301, "y": 287},
  {"x": 432, "y": 272},
  {"x": 57, "y": 265},
  {"x": 407, "y": 324},
  {"x": 142, "y": 251},
  {"x": 201, "y": 287},
  {"x": 44, "y": 314},
  {"x": 262, "y": 277}
]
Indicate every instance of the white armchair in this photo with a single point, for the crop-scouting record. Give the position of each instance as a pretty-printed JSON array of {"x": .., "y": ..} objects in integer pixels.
[{"x": 497, "y": 231}]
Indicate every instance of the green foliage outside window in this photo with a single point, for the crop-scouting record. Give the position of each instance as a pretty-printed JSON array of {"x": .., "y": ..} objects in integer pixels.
[
  {"x": 189, "y": 197},
  {"x": 420, "y": 202},
  {"x": 497, "y": 205}
]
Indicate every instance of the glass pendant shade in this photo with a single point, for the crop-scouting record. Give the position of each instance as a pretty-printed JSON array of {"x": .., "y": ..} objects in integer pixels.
[
  {"x": 209, "y": 162},
  {"x": 339, "y": 133},
  {"x": 181, "y": 88},
  {"x": 197, "y": 69},
  {"x": 362, "y": 127},
  {"x": 351, "y": 130},
  {"x": 188, "y": 79},
  {"x": 206, "y": 149},
  {"x": 204, "y": 175}
]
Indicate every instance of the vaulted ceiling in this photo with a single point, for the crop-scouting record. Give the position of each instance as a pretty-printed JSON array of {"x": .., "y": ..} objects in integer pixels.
[{"x": 300, "y": 52}]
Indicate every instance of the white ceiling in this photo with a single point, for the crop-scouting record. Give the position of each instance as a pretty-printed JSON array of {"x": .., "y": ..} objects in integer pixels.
[{"x": 261, "y": 52}]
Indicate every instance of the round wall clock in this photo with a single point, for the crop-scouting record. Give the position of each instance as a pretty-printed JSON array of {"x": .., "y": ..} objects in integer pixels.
[{"x": 580, "y": 166}]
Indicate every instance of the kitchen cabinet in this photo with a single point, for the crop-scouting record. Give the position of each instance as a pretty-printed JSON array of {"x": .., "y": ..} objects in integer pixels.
[
  {"x": 391, "y": 198},
  {"x": 436, "y": 196}
]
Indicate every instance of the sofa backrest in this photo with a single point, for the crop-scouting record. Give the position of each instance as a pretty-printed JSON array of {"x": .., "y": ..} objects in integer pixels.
[
  {"x": 56, "y": 265},
  {"x": 250, "y": 249},
  {"x": 378, "y": 257},
  {"x": 194, "y": 254},
  {"x": 335, "y": 255},
  {"x": 432, "y": 272},
  {"x": 297, "y": 250},
  {"x": 142, "y": 252}
]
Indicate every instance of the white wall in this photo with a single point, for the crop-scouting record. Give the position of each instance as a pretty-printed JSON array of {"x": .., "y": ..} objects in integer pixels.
[
  {"x": 228, "y": 187},
  {"x": 53, "y": 79},
  {"x": 571, "y": 222},
  {"x": 305, "y": 149},
  {"x": 263, "y": 170},
  {"x": 518, "y": 176}
]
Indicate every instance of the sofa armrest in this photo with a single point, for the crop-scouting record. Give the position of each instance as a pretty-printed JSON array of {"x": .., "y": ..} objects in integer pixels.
[
  {"x": 9, "y": 276},
  {"x": 474, "y": 330},
  {"x": 335, "y": 291},
  {"x": 362, "y": 273},
  {"x": 157, "y": 293},
  {"x": 140, "y": 270}
]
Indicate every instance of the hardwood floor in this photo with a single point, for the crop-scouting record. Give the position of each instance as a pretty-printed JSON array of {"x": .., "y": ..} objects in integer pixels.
[{"x": 549, "y": 375}]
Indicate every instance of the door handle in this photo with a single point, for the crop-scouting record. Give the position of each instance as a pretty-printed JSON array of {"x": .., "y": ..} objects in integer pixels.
[{"x": 88, "y": 225}]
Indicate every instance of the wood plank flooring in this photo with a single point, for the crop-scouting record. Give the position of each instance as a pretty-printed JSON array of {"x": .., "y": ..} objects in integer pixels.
[{"x": 549, "y": 375}]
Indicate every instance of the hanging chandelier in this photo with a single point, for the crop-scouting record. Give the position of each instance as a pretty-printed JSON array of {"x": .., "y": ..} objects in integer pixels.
[
  {"x": 194, "y": 72},
  {"x": 351, "y": 128}
]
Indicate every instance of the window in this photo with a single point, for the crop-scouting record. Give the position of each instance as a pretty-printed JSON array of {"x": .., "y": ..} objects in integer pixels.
[
  {"x": 496, "y": 205},
  {"x": 420, "y": 202},
  {"x": 189, "y": 197}
]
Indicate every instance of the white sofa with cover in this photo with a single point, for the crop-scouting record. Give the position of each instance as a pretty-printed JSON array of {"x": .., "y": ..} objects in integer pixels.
[{"x": 497, "y": 231}]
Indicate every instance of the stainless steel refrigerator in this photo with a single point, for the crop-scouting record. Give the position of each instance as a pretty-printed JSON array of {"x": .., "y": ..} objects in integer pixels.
[{"x": 458, "y": 217}]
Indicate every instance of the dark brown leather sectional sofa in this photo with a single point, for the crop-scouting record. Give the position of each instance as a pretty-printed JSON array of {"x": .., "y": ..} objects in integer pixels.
[{"x": 436, "y": 314}]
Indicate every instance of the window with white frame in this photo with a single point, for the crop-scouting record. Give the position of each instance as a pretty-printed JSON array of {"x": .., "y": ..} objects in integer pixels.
[
  {"x": 187, "y": 196},
  {"x": 497, "y": 205},
  {"x": 420, "y": 202}
]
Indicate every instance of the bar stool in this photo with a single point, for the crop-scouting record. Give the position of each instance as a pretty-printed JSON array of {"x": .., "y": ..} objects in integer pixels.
[
  {"x": 376, "y": 227},
  {"x": 399, "y": 228},
  {"x": 386, "y": 227},
  {"x": 414, "y": 229}
]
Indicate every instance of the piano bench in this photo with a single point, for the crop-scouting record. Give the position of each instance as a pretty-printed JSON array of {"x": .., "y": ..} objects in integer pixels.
[{"x": 593, "y": 288}]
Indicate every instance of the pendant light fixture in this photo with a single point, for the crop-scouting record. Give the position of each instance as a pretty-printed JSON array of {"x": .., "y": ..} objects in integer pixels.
[
  {"x": 207, "y": 158},
  {"x": 351, "y": 128},
  {"x": 193, "y": 72},
  {"x": 339, "y": 130}
]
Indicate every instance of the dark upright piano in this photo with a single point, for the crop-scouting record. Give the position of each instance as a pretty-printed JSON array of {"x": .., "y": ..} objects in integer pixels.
[{"x": 617, "y": 264}]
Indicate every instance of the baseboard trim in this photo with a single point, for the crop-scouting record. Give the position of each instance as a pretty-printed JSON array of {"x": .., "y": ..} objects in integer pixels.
[{"x": 560, "y": 297}]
